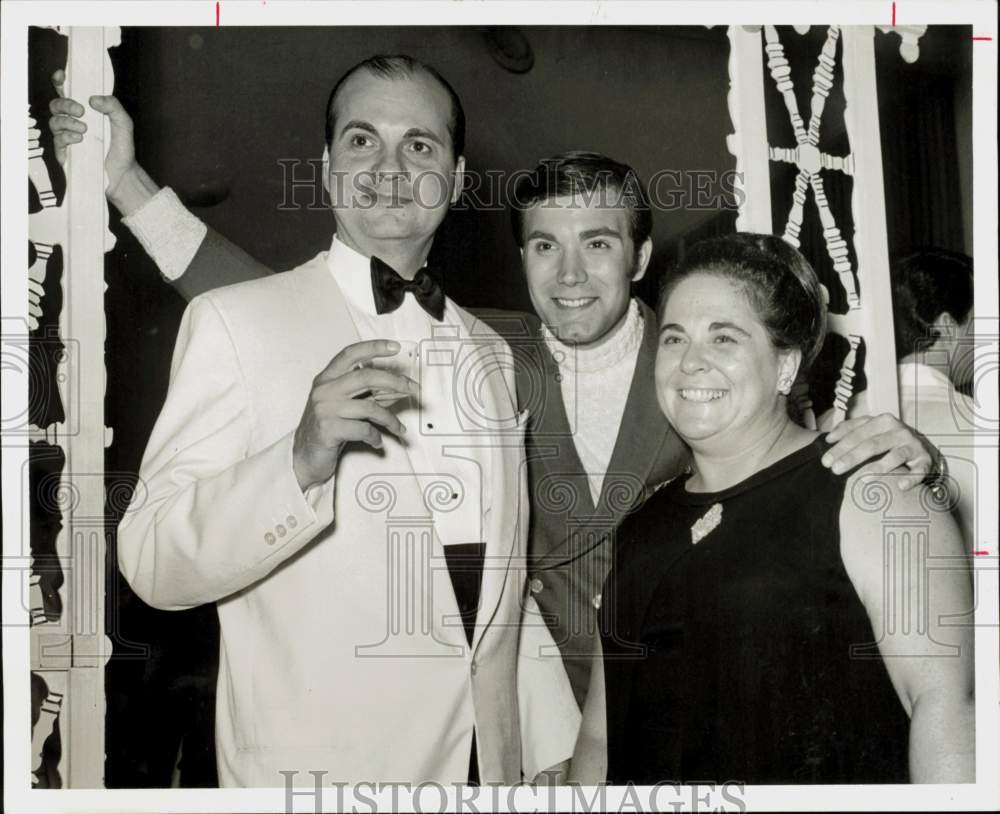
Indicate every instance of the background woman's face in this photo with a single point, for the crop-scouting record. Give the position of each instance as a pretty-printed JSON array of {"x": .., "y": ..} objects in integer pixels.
[{"x": 717, "y": 372}]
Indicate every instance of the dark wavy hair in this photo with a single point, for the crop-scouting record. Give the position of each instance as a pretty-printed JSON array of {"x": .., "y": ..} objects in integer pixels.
[
  {"x": 925, "y": 285},
  {"x": 401, "y": 66},
  {"x": 587, "y": 174},
  {"x": 777, "y": 280}
]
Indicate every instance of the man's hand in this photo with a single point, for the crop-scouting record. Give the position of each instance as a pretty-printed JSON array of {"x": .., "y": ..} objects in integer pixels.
[
  {"x": 340, "y": 410},
  {"x": 861, "y": 439},
  {"x": 129, "y": 187}
]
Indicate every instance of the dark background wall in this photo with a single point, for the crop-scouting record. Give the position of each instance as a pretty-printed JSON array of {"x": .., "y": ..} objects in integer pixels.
[{"x": 216, "y": 109}]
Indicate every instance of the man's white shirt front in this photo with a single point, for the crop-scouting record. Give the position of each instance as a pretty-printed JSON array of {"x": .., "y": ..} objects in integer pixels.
[{"x": 444, "y": 437}]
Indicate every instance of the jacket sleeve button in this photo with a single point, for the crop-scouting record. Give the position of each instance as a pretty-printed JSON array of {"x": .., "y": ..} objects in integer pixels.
[
  {"x": 270, "y": 538},
  {"x": 291, "y": 521}
]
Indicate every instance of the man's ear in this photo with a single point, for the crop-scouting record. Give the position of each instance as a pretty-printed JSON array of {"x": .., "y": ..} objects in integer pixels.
[
  {"x": 642, "y": 261},
  {"x": 946, "y": 326},
  {"x": 326, "y": 170},
  {"x": 456, "y": 191}
]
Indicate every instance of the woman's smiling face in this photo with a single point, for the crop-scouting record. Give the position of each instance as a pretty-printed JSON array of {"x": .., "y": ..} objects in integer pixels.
[{"x": 717, "y": 371}]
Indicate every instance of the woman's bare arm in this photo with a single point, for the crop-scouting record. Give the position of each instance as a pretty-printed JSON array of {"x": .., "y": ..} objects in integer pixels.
[{"x": 914, "y": 581}]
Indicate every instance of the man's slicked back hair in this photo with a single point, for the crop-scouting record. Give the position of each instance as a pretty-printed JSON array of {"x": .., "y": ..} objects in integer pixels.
[
  {"x": 592, "y": 176},
  {"x": 401, "y": 66},
  {"x": 925, "y": 285}
]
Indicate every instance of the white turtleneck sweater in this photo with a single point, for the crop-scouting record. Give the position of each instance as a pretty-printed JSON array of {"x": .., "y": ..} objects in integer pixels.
[{"x": 595, "y": 386}]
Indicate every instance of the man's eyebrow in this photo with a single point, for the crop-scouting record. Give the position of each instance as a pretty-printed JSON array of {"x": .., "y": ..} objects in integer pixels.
[
  {"x": 357, "y": 124},
  {"x": 538, "y": 234},
  {"x": 420, "y": 132},
  {"x": 601, "y": 231},
  {"x": 671, "y": 326}
]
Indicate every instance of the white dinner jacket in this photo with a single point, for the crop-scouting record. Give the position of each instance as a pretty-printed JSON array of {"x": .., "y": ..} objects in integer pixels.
[{"x": 312, "y": 673}]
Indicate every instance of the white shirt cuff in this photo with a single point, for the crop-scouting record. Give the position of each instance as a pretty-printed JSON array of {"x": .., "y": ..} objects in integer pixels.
[
  {"x": 168, "y": 232},
  {"x": 319, "y": 498}
]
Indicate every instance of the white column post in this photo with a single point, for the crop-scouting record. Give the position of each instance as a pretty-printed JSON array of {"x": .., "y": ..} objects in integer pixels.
[
  {"x": 748, "y": 141},
  {"x": 868, "y": 209},
  {"x": 83, "y": 325}
]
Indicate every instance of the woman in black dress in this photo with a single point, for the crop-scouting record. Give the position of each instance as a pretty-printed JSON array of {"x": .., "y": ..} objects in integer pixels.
[{"x": 765, "y": 620}]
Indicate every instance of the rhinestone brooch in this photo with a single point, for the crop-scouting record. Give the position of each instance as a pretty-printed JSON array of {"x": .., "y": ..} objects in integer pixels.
[{"x": 706, "y": 523}]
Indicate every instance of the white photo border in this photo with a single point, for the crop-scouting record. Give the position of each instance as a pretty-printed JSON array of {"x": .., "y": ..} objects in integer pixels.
[{"x": 18, "y": 15}]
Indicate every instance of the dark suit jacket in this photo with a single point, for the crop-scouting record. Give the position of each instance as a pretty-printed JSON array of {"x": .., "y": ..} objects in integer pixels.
[{"x": 570, "y": 539}]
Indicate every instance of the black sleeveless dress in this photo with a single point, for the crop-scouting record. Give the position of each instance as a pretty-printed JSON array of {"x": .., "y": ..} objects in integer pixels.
[{"x": 736, "y": 658}]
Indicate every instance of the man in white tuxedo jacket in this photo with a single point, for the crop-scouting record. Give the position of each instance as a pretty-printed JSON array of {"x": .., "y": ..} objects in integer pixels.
[{"x": 300, "y": 476}]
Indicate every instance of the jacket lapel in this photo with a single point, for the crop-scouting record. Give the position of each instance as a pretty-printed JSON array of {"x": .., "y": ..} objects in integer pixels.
[
  {"x": 557, "y": 474},
  {"x": 505, "y": 441},
  {"x": 320, "y": 296}
]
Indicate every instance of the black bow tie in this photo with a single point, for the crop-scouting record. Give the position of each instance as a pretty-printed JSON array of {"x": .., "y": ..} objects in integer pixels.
[{"x": 388, "y": 289}]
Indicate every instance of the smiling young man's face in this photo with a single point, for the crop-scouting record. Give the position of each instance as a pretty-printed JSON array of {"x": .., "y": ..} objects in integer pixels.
[{"x": 580, "y": 262}]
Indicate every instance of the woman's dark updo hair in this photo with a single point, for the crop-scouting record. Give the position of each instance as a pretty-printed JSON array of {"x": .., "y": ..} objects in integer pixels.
[{"x": 777, "y": 281}]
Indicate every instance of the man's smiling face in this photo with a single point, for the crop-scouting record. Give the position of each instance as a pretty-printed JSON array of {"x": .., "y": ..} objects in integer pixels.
[{"x": 580, "y": 262}]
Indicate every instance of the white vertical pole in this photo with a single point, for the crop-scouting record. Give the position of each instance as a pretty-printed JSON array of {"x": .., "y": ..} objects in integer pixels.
[
  {"x": 748, "y": 141},
  {"x": 83, "y": 328},
  {"x": 870, "y": 228}
]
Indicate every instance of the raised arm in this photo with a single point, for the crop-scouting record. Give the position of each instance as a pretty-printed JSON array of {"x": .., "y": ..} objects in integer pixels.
[
  {"x": 192, "y": 257},
  {"x": 922, "y": 622}
]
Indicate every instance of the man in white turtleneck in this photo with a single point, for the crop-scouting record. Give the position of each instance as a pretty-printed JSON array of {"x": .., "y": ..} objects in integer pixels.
[
  {"x": 583, "y": 223},
  {"x": 580, "y": 260},
  {"x": 581, "y": 254}
]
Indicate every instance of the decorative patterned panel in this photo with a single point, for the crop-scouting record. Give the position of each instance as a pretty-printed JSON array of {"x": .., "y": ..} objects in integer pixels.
[{"x": 867, "y": 323}]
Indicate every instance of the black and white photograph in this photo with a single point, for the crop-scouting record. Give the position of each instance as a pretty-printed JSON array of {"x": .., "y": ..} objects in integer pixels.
[{"x": 449, "y": 406}]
